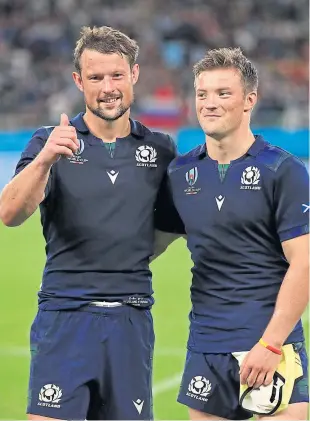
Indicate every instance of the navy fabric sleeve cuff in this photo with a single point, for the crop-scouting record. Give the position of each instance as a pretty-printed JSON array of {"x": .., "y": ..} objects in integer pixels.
[{"x": 294, "y": 232}]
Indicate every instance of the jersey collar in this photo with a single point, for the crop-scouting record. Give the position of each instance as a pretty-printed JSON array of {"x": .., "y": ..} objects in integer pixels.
[
  {"x": 78, "y": 122},
  {"x": 257, "y": 146},
  {"x": 254, "y": 150}
]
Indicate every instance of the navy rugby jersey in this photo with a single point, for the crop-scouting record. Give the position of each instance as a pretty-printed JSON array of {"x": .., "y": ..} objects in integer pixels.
[
  {"x": 234, "y": 228},
  {"x": 98, "y": 216}
]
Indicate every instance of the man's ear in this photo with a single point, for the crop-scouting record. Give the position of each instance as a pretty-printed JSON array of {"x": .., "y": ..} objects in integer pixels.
[
  {"x": 78, "y": 81},
  {"x": 135, "y": 73},
  {"x": 250, "y": 101}
]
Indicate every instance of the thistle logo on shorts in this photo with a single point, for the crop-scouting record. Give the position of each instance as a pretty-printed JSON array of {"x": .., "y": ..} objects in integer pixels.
[
  {"x": 49, "y": 395},
  {"x": 76, "y": 158},
  {"x": 199, "y": 388},
  {"x": 146, "y": 156},
  {"x": 191, "y": 177},
  {"x": 250, "y": 179}
]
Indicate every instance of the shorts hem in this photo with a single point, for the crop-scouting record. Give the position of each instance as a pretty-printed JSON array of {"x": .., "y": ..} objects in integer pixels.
[
  {"x": 56, "y": 416},
  {"x": 197, "y": 408},
  {"x": 301, "y": 400}
]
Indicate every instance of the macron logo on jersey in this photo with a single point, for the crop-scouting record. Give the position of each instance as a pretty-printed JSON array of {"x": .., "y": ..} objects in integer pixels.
[
  {"x": 219, "y": 201},
  {"x": 112, "y": 175},
  {"x": 139, "y": 405}
]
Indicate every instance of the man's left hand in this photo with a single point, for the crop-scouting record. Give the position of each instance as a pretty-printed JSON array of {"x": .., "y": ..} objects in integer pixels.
[{"x": 259, "y": 366}]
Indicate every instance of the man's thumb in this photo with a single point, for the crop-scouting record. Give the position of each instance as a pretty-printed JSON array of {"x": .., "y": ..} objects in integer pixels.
[{"x": 64, "y": 120}]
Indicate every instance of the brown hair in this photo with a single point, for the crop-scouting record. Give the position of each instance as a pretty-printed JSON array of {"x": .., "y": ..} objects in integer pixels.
[
  {"x": 105, "y": 40},
  {"x": 229, "y": 58}
]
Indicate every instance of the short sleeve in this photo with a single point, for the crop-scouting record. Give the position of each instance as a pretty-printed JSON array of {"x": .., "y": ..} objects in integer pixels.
[
  {"x": 292, "y": 199},
  {"x": 166, "y": 216},
  {"x": 33, "y": 148}
]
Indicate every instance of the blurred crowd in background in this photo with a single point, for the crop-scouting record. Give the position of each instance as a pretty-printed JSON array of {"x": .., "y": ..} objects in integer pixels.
[{"x": 37, "y": 38}]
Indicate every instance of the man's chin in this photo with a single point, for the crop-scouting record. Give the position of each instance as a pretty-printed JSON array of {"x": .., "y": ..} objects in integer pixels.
[
  {"x": 215, "y": 134},
  {"x": 108, "y": 115}
]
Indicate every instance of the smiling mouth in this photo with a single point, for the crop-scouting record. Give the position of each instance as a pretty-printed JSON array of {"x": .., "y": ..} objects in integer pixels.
[{"x": 109, "y": 100}]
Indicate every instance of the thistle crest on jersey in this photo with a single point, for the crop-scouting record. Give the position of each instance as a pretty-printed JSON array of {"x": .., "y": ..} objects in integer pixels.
[
  {"x": 146, "y": 156},
  {"x": 250, "y": 179}
]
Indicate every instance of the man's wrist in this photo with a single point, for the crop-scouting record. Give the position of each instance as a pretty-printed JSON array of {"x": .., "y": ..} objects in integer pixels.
[
  {"x": 273, "y": 341},
  {"x": 42, "y": 164},
  {"x": 270, "y": 347}
]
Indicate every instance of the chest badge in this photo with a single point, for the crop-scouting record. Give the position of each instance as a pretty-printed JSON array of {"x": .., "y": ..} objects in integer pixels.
[
  {"x": 146, "y": 156},
  {"x": 191, "y": 177},
  {"x": 250, "y": 179},
  {"x": 77, "y": 157}
]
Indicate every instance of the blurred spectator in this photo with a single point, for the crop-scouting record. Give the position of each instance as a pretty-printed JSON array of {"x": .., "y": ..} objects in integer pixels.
[{"x": 37, "y": 40}]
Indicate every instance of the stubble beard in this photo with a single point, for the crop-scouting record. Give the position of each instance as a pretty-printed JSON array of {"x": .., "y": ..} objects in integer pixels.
[{"x": 120, "y": 111}]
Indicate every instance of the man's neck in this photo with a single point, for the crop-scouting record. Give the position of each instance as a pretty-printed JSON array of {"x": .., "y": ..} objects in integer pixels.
[
  {"x": 108, "y": 131},
  {"x": 230, "y": 147}
]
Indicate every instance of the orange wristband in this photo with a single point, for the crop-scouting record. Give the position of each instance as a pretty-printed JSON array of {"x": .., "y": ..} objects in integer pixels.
[{"x": 269, "y": 347}]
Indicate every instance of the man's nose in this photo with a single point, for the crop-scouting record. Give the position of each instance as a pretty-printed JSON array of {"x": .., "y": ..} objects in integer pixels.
[
  {"x": 210, "y": 103},
  {"x": 108, "y": 85}
]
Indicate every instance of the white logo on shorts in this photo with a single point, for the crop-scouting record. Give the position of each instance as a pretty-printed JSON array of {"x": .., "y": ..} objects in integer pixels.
[
  {"x": 49, "y": 395},
  {"x": 139, "y": 405},
  {"x": 199, "y": 388}
]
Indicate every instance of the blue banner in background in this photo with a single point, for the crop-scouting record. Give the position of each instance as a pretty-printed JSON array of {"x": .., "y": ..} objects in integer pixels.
[
  {"x": 8, "y": 161},
  {"x": 14, "y": 141},
  {"x": 12, "y": 144},
  {"x": 296, "y": 142}
]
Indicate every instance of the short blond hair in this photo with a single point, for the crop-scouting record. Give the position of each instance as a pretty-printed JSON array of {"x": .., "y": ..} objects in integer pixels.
[
  {"x": 105, "y": 40},
  {"x": 229, "y": 58}
]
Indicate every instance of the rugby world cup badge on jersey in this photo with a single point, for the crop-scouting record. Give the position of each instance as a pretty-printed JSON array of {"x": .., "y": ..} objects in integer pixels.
[
  {"x": 191, "y": 177},
  {"x": 77, "y": 158}
]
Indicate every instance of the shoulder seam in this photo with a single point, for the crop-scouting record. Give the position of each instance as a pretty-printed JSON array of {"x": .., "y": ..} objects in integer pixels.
[
  {"x": 283, "y": 155},
  {"x": 49, "y": 130}
]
